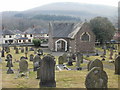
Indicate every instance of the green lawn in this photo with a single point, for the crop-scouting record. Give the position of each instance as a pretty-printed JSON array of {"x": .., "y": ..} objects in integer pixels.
[{"x": 64, "y": 79}]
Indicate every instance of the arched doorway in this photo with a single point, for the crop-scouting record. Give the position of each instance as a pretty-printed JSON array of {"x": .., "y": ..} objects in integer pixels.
[{"x": 61, "y": 45}]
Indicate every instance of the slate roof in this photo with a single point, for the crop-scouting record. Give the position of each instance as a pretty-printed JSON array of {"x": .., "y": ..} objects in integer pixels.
[
  {"x": 35, "y": 30},
  {"x": 64, "y": 30},
  {"x": 8, "y": 32},
  {"x": 17, "y": 32}
]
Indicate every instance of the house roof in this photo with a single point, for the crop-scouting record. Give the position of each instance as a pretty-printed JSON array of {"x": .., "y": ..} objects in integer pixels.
[
  {"x": 17, "y": 32},
  {"x": 65, "y": 30},
  {"x": 35, "y": 30},
  {"x": 7, "y": 32}
]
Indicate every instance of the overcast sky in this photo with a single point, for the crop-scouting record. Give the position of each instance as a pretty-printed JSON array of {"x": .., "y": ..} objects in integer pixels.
[{"x": 21, "y": 5}]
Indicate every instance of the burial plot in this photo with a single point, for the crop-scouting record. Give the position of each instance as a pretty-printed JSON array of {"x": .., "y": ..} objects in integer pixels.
[
  {"x": 96, "y": 78},
  {"x": 36, "y": 62},
  {"x": 2, "y": 53},
  {"x": 47, "y": 72},
  {"x": 117, "y": 65},
  {"x": 16, "y": 51},
  {"x": 31, "y": 57},
  {"x": 95, "y": 63}
]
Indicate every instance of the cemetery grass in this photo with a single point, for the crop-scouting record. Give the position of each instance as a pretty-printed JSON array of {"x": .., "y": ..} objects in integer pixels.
[{"x": 64, "y": 79}]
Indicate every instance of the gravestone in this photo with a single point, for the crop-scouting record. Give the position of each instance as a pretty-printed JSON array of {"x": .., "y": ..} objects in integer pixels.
[
  {"x": 16, "y": 51},
  {"x": 38, "y": 73},
  {"x": 26, "y": 54},
  {"x": 35, "y": 51},
  {"x": 22, "y": 50},
  {"x": 36, "y": 62},
  {"x": 96, "y": 78},
  {"x": 15, "y": 47},
  {"x": 40, "y": 52},
  {"x": 23, "y": 66},
  {"x": 96, "y": 53},
  {"x": 104, "y": 50},
  {"x": 60, "y": 60},
  {"x": 117, "y": 65},
  {"x": 22, "y": 57},
  {"x": 26, "y": 49},
  {"x": 65, "y": 57},
  {"x": 31, "y": 57},
  {"x": 31, "y": 49},
  {"x": 111, "y": 53},
  {"x": 70, "y": 61},
  {"x": 47, "y": 72},
  {"x": 9, "y": 62},
  {"x": 95, "y": 63},
  {"x": 9, "y": 56},
  {"x": 7, "y": 49},
  {"x": 79, "y": 60},
  {"x": 2, "y": 53},
  {"x": 88, "y": 65}
]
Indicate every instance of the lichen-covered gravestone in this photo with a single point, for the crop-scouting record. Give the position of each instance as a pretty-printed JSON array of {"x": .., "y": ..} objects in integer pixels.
[
  {"x": 96, "y": 78},
  {"x": 95, "y": 63},
  {"x": 9, "y": 56},
  {"x": 36, "y": 62},
  {"x": 60, "y": 60},
  {"x": 23, "y": 68},
  {"x": 117, "y": 65},
  {"x": 9, "y": 60},
  {"x": 31, "y": 57},
  {"x": 47, "y": 72}
]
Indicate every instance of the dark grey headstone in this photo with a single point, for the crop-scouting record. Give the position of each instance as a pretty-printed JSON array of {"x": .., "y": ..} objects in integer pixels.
[
  {"x": 22, "y": 50},
  {"x": 117, "y": 65},
  {"x": 47, "y": 72},
  {"x": 96, "y": 78},
  {"x": 16, "y": 51},
  {"x": 31, "y": 57},
  {"x": 95, "y": 63},
  {"x": 111, "y": 53},
  {"x": 2, "y": 53},
  {"x": 36, "y": 62},
  {"x": 23, "y": 65}
]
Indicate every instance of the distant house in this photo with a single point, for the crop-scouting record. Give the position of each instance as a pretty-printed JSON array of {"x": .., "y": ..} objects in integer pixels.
[
  {"x": 35, "y": 33},
  {"x": 71, "y": 37},
  {"x": 8, "y": 36}
]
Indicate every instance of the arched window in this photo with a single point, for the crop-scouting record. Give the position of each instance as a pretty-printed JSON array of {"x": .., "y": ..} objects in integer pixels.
[{"x": 85, "y": 37}]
